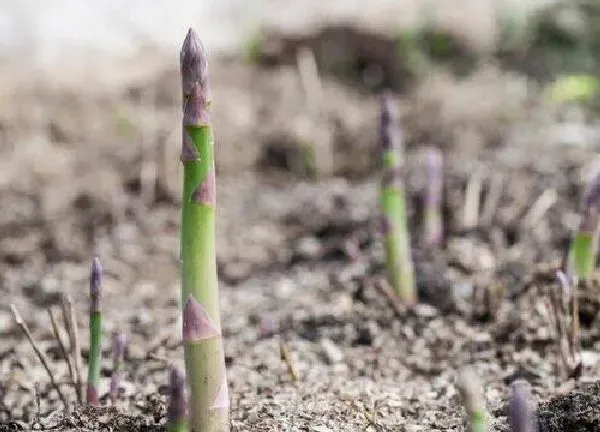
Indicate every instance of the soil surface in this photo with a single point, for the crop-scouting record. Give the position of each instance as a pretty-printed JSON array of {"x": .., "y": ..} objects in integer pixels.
[{"x": 89, "y": 166}]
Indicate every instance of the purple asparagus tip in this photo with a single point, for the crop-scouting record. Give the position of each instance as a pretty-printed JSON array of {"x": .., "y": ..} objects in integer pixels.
[
  {"x": 521, "y": 416},
  {"x": 95, "y": 283},
  {"x": 194, "y": 64},
  {"x": 390, "y": 134},
  {"x": 590, "y": 206},
  {"x": 177, "y": 407}
]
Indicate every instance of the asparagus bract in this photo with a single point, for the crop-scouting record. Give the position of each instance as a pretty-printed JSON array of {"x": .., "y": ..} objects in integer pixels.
[
  {"x": 203, "y": 343},
  {"x": 393, "y": 206},
  {"x": 95, "y": 332}
]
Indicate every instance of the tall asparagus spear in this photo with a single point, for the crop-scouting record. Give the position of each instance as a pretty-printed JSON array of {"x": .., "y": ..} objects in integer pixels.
[
  {"x": 393, "y": 205},
  {"x": 177, "y": 411},
  {"x": 95, "y": 332},
  {"x": 203, "y": 343}
]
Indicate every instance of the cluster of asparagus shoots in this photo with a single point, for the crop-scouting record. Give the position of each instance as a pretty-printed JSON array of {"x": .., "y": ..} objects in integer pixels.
[
  {"x": 72, "y": 356},
  {"x": 203, "y": 343},
  {"x": 564, "y": 303},
  {"x": 393, "y": 205}
]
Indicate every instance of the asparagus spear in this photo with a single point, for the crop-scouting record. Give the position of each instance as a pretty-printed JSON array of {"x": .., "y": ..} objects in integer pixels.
[
  {"x": 95, "y": 332},
  {"x": 433, "y": 197},
  {"x": 393, "y": 206},
  {"x": 203, "y": 343},
  {"x": 118, "y": 349},
  {"x": 582, "y": 252},
  {"x": 521, "y": 416},
  {"x": 473, "y": 397},
  {"x": 177, "y": 411}
]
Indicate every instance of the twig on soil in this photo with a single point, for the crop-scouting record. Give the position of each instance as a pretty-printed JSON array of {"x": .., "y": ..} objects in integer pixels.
[
  {"x": 564, "y": 317},
  {"x": 492, "y": 199},
  {"x": 62, "y": 346},
  {"x": 21, "y": 323},
  {"x": 287, "y": 359},
  {"x": 313, "y": 89},
  {"x": 546, "y": 200},
  {"x": 70, "y": 319},
  {"x": 472, "y": 198},
  {"x": 382, "y": 285}
]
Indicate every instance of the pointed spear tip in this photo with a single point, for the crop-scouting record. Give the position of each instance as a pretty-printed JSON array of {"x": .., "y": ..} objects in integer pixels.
[
  {"x": 194, "y": 64},
  {"x": 95, "y": 275},
  {"x": 192, "y": 45}
]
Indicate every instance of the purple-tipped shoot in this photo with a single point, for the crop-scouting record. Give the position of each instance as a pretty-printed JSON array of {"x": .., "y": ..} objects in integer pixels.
[
  {"x": 118, "y": 352},
  {"x": 393, "y": 205},
  {"x": 203, "y": 343},
  {"x": 434, "y": 165},
  {"x": 521, "y": 415},
  {"x": 473, "y": 396},
  {"x": 177, "y": 411},
  {"x": 95, "y": 332},
  {"x": 583, "y": 249}
]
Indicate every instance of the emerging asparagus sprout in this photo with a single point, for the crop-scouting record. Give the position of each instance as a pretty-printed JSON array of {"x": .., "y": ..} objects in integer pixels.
[
  {"x": 177, "y": 411},
  {"x": 433, "y": 196},
  {"x": 118, "y": 350},
  {"x": 95, "y": 332},
  {"x": 393, "y": 205},
  {"x": 521, "y": 416},
  {"x": 203, "y": 343},
  {"x": 473, "y": 397},
  {"x": 583, "y": 249}
]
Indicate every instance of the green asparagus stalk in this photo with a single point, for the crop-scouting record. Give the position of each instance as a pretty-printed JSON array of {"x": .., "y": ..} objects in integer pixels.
[
  {"x": 118, "y": 350},
  {"x": 177, "y": 411},
  {"x": 393, "y": 206},
  {"x": 203, "y": 343},
  {"x": 473, "y": 397},
  {"x": 95, "y": 332},
  {"x": 582, "y": 252}
]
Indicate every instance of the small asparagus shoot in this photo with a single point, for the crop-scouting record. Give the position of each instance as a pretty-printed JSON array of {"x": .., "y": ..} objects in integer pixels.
[
  {"x": 473, "y": 397},
  {"x": 582, "y": 252},
  {"x": 433, "y": 196},
  {"x": 95, "y": 332},
  {"x": 118, "y": 351},
  {"x": 521, "y": 416},
  {"x": 177, "y": 411},
  {"x": 203, "y": 343},
  {"x": 393, "y": 205}
]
